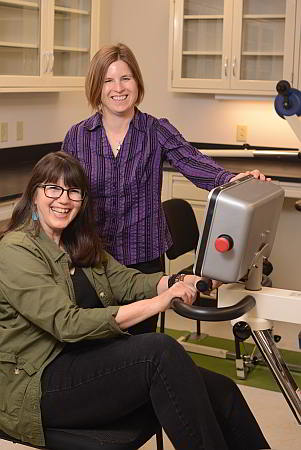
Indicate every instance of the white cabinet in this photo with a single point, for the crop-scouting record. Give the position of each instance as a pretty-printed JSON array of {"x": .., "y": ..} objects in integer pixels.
[
  {"x": 231, "y": 46},
  {"x": 47, "y": 45},
  {"x": 176, "y": 185},
  {"x": 298, "y": 46}
]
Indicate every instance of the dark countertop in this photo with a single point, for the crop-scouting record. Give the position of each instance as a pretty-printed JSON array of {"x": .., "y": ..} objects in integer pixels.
[
  {"x": 279, "y": 164},
  {"x": 16, "y": 163},
  {"x": 281, "y": 170}
]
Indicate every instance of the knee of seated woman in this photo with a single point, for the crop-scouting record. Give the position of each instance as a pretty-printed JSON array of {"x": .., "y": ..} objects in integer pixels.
[{"x": 159, "y": 343}]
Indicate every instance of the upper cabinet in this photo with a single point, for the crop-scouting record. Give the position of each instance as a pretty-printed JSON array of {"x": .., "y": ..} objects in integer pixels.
[
  {"x": 46, "y": 45},
  {"x": 297, "y": 72},
  {"x": 231, "y": 46}
]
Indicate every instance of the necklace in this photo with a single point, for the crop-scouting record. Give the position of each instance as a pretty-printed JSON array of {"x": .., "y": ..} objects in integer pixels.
[{"x": 117, "y": 149}]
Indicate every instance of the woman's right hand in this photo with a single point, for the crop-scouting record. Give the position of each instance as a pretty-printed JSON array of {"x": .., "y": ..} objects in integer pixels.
[{"x": 187, "y": 292}]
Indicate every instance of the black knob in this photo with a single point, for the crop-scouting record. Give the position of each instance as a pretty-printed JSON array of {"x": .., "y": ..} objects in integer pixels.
[
  {"x": 298, "y": 205},
  {"x": 204, "y": 286},
  {"x": 282, "y": 87},
  {"x": 267, "y": 267},
  {"x": 242, "y": 331}
]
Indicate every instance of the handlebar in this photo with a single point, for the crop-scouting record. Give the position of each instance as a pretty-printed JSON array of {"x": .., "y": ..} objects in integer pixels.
[{"x": 211, "y": 313}]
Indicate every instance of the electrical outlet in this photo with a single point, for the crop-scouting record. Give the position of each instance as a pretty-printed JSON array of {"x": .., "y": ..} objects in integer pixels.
[
  {"x": 241, "y": 133},
  {"x": 3, "y": 132},
  {"x": 19, "y": 130}
]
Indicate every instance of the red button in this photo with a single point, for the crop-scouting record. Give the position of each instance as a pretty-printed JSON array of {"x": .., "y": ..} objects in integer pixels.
[{"x": 223, "y": 243}]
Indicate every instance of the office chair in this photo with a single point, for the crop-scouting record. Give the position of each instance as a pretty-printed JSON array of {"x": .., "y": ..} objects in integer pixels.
[
  {"x": 129, "y": 433},
  {"x": 184, "y": 231}
]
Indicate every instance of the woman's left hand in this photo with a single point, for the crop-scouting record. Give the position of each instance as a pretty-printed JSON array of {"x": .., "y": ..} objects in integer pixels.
[{"x": 256, "y": 174}]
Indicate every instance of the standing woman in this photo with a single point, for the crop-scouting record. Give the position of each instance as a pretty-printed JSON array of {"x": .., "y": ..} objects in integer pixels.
[{"x": 122, "y": 151}]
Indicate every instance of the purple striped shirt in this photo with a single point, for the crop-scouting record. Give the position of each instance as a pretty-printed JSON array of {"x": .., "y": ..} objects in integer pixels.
[{"x": 126, "y": 190}]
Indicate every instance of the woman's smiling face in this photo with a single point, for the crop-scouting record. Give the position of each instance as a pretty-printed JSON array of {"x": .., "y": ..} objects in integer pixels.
[
  {"x": 120, "y": 91},
  {"x": 55, "y": 214}
]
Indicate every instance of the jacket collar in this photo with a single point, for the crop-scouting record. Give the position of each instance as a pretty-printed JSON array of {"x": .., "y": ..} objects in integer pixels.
[{"x": 55, "y": 251}]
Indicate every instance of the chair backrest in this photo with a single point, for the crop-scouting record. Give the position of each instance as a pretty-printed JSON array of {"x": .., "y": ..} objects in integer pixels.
[{"x": 182, "y": 225}]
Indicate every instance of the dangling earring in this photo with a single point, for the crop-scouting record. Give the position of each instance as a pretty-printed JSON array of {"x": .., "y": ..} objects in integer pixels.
[{"x": 35, "y": 216}]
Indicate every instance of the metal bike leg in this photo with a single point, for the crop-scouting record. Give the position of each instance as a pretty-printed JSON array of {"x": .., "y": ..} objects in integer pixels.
[{"x": 282, "y": 375}]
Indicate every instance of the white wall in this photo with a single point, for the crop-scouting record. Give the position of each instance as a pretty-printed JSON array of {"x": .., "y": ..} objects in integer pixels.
[{"x": 46, "y": 116}]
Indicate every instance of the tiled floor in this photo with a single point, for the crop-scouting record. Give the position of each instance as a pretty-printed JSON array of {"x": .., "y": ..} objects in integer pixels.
[
  {"x": 270, "y": 408},
  {"x": 273, "y": 415}
]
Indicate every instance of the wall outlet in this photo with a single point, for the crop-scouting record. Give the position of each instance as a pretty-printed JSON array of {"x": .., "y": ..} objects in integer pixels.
[
  {"x": 241, "y": 133},
  {"x": 3, "y": 131},
  {"x": 19, "y": 130}
]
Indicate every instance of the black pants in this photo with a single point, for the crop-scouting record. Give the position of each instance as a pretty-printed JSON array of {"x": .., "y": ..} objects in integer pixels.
[
  {"x": 101, "y": 381},
  {"x": 149, "y": 325}
]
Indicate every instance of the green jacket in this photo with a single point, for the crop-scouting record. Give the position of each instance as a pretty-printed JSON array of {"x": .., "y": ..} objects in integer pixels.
[{"x": 38, "y": 314}]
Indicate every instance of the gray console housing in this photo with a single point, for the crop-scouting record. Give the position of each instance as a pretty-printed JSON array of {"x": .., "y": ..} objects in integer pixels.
[{"x": 246, "y": 210}]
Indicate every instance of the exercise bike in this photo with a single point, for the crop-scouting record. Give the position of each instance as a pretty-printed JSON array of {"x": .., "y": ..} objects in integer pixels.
[{"x": 238, "y": 233}]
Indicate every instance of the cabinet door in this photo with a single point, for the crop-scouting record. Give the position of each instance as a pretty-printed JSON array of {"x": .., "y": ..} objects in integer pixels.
[
  {"x": 21, "y": 41},
  {"x": 297, "y": 61},
  {"x": 232, "y": 46},
  {"x": 47, "y": 45},
  {"x": 200, "y": 44},
  {"x": 263, "y": 43},
  {"x": 72, "y": 33}
]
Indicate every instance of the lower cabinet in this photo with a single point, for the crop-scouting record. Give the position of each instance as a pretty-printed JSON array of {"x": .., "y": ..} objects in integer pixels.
[{"x": 6, "y": 209}]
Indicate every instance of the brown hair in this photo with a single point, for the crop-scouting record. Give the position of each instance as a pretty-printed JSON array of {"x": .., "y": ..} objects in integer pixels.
[
  {"x": 99, "y": 66},
  {"x": 80, "y": 238}
]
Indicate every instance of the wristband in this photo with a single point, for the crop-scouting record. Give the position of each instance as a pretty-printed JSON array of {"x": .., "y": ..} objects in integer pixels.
[{"x": 175, "y": 278}]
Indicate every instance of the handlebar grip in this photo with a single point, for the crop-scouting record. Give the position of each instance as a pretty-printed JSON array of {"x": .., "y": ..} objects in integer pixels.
[
  {"x": 213, "y": 314},
  {"x": 204, "y": 286}
]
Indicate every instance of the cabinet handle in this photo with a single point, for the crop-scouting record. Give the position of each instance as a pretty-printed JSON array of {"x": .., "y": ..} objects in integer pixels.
[
  {"x": 46, "y": 61},
  {"x": 234, "y": 66},
  {"x": 51, "y": 57},
  {"x": 226, "y": 67}
]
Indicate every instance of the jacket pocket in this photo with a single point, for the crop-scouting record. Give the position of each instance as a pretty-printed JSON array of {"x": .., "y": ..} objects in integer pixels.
[
  {"x": 102, "y": 286},
  {"x": 8, "y": 358},
  {"x": 15, "y": 374}
]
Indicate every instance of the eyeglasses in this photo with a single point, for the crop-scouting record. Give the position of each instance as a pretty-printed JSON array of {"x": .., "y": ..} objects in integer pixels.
[{"x": 54, "y": 191}]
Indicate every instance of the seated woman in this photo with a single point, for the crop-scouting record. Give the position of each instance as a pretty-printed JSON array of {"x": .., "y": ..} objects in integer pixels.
[{"x": 65, "y": 306}]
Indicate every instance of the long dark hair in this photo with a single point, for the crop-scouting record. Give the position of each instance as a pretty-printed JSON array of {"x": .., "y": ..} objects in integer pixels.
[{"x": 80, "y": 238}]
